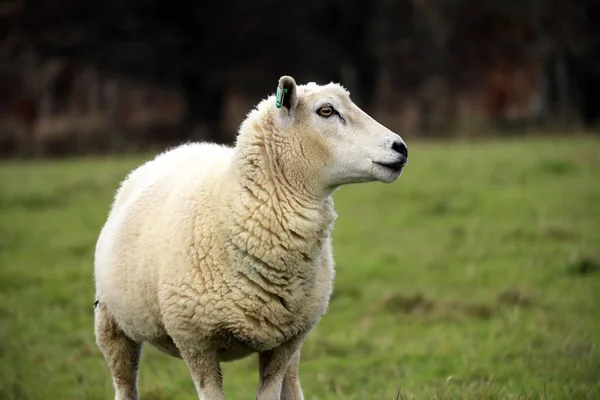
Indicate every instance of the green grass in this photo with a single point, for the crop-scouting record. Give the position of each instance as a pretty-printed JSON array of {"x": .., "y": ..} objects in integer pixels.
[{"x": 475, "y": 276}]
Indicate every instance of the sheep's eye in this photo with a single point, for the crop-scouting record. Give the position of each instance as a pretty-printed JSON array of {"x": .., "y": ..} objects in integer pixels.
[{"x": 325, "y": 111}]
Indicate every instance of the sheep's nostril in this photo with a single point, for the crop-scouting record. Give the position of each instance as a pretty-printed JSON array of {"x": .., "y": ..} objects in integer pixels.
[{"x": 400, "y": 147}]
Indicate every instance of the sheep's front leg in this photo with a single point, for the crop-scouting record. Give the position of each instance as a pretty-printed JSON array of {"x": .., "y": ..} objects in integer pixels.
[
  {"x": 278, "y": 373},
  {"x": 205, "y": 370},
  {"x": 291, "y": 383}
]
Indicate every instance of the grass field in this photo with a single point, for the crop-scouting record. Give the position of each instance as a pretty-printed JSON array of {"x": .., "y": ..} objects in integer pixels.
[{"x": 475, "y": 276}]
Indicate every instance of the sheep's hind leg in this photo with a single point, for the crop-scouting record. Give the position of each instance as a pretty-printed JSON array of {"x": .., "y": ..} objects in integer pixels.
[{"x": 121, "y": 353}]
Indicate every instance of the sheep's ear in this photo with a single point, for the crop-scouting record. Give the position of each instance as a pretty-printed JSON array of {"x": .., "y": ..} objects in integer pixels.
[{"x": 286, "y": 97}]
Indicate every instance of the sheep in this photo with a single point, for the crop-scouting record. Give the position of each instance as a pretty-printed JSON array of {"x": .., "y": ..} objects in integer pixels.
[{"x": 212, "y": 253}]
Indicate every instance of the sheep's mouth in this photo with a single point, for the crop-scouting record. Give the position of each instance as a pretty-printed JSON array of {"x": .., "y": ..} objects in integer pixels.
[{"x": 394, "y": 166}]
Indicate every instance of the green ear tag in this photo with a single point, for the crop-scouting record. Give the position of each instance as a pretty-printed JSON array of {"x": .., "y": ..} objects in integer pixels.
[{"x": 279, "y": 97}]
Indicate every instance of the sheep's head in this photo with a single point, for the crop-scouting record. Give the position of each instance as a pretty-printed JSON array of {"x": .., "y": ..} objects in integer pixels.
[
  {"x": 343, "y": 143},
  {"x": 314, "y": 137}
]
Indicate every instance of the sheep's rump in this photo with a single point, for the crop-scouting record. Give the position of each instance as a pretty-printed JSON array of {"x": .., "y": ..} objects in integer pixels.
[{"x": 133, "y": 244}]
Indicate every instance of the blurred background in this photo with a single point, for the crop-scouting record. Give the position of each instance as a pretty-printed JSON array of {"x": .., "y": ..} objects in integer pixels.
[{"x": 111, "y": 76}]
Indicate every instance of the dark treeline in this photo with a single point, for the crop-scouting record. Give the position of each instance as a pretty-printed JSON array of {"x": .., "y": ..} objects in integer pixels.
[{"x": 418, "y": 65}]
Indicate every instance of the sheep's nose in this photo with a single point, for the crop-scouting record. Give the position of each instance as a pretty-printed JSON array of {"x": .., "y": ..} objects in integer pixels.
[{"x": 400, "y": 147}]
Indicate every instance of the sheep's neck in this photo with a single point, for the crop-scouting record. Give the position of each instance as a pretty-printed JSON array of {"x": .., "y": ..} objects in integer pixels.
[{"x": 279, "y": 226}]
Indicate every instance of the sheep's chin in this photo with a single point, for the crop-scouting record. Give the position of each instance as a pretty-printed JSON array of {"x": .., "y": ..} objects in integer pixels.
[{"x": 385, "y": 174}]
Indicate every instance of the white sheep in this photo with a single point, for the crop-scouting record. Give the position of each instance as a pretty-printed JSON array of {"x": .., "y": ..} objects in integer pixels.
[{"x": 213, "y": 253}]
